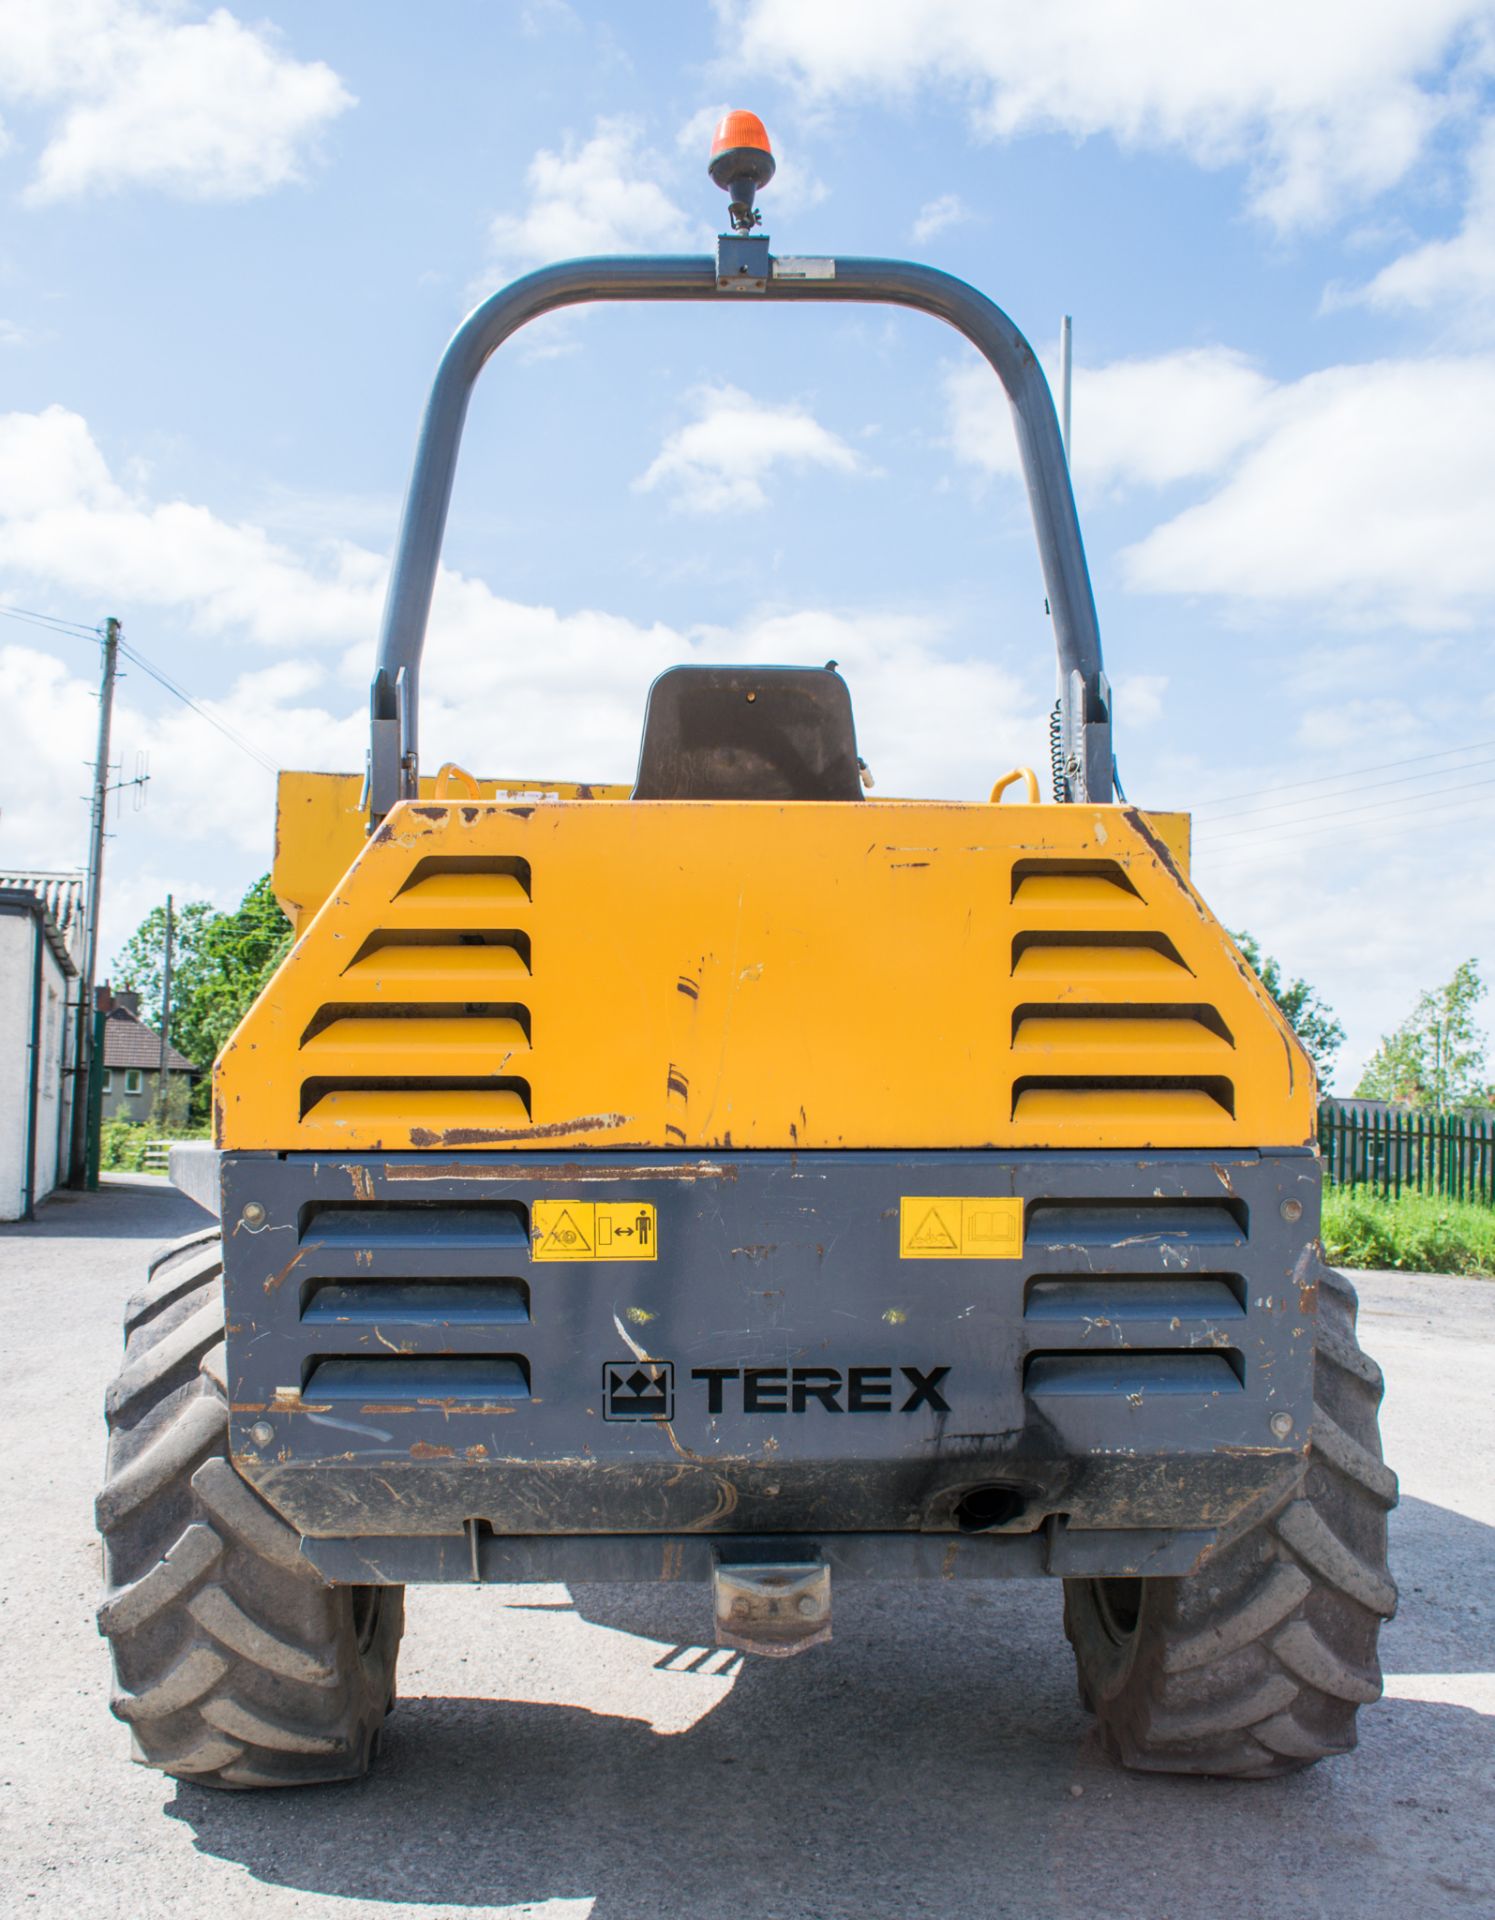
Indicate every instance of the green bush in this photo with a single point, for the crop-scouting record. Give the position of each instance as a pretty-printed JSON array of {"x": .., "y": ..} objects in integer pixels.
[
  {"x": 1416, "y": 1232},
  {"x": 122, "y": 1143},
  {"x": 122, "y": 1146}
]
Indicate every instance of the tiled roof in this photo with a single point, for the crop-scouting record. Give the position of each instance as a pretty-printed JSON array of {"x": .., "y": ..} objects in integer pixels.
[
  {"x": 62, "y": 896},
  {"x": 129, "y": 1042}
]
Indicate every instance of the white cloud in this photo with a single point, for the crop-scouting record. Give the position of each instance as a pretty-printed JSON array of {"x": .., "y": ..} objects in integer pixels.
[
  {"x": 1365, "y": 492},
  {"x": 1456, "y": 275},
  {"x": 66, "y": 520},
  {"x": 137, "y": 95},
  {"x": 1141, "y": 422},
  {"x": 948, "y": 210},
  {"x": 604, "y": 195},
  {"x": 1325, "y": 105},
  {"x": 719, "y": 462},
  {"x": 1370, "y": 493}
]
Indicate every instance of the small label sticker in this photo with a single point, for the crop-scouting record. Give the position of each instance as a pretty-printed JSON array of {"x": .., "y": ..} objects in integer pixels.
[
  {"x": 802, "y": 266},
  {"x": 593, "y": 1230},
  {"x": 936, "y": 1227}
]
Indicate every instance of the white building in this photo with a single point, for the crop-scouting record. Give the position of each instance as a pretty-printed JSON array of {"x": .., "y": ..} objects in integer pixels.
[{"x": 40, "y": 918}]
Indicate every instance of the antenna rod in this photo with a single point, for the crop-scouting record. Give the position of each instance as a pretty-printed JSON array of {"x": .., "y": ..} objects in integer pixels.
[{"x": 1065, "y": 343}]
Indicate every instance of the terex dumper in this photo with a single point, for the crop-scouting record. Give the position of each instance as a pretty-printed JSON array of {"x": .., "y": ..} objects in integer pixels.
[{"x": 909, "y": 1190}]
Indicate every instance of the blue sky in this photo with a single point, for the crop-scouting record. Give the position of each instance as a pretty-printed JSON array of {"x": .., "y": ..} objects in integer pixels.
[{"x": 234, "y": 244}]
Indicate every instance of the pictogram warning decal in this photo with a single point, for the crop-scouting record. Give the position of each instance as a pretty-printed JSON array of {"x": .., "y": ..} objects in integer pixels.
[
  {"x": 593, "y": 1230},
  {"x": 934, "y": 1227}
]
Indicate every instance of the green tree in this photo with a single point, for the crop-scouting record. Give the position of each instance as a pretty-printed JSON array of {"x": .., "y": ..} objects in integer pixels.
[
  {"x": 1435, "y": 1060},
  {"x": 1309, "y": 1016},
  {"x": 219, "y": 963}
]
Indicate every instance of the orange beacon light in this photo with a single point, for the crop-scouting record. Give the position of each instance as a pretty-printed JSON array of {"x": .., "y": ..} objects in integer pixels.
[{"x": 741, "y": 162}]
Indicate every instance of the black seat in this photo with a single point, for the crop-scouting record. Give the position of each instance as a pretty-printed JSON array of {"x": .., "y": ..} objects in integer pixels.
[{"x": 748, "y": 733}]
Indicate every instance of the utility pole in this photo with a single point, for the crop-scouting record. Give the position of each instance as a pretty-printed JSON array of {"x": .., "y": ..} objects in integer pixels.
[
  {"x": 162, "y": 1078},
  {"x": 84, "y": 1064}
]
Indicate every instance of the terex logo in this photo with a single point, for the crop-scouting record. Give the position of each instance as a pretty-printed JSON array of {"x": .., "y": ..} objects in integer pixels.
[{"x": 791, "y": 1389}]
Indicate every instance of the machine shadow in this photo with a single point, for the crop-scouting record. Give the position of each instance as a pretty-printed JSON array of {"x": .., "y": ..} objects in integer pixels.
[{"x": 932, "y": 1761}]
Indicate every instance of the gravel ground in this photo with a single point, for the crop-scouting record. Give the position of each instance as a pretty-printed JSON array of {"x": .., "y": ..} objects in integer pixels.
[{"x": 583, "y": 1753}]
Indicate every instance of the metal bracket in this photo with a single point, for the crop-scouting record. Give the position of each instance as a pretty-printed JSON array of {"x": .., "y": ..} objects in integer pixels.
[
  {"x": 742, "y": 263},
  {"x": 774, "y": 1608}
]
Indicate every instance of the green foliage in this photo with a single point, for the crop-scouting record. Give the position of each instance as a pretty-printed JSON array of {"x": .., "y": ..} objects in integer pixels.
[
  {"x": 1417, "y": 1232},
  {"x": 122, "y": 1143},
  {"x": 1436, "y": 1058},
  {"x": 122, "y": 1146},
  {"x": 1310, "y": 1018},
  {"x": 219, "y": 963}
]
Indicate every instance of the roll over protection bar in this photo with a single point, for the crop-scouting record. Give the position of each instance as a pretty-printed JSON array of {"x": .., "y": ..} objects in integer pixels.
[{"x": 743, "y": 267}]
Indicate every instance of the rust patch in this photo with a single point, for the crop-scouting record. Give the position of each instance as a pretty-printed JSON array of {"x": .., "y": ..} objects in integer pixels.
[
  {"x": 363, "y": 1182},
  {"x": 477, "y": 1452},
  {"x": 947, "y": 1564},
  {"x": 430, "y": 813},
  {"x": 505, "y": 1136},
  {"x": 423, "y": 1450},
  {"x": 1222, "y": 1174},
  {"x": 573, "y": 1173},
  {"x": 674, "y": 1558},
  {"x": 688, "y": 988},
  {"x": 519, "y": 813},
  {"x": 275, "y": 1280},
  {"x": 676, "y": 1082}
]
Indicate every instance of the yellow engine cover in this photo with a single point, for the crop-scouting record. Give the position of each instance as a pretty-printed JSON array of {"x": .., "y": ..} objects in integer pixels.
[{"x": 685, "y": 975}]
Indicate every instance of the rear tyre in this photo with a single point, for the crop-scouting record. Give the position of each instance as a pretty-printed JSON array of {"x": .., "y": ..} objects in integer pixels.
[
  {"x": 1258, "y": 1664},
  {"x": 235, "y": 1666}
]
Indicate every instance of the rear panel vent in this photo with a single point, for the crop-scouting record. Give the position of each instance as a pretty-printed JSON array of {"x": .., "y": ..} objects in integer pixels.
[
  {"x": 429, "y": 1304},
  {"x": 465, "y": 884},
  {"x": 441, "y": 1104},
  {"x": 1147, "y": 1100},
  {"x": 1125, "y": 1299},
  {"x": 1126, "y": 1225},
  {"x": 1096, "y": 958},
  {"x": 1072, "y": 883},
  {"x": 1134, "y": 1377},
  {"x": 398, "y": 1382}
]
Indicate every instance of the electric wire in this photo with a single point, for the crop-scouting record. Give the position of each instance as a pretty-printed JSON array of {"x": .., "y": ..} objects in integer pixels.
[
  {"x": 51, "y": 623},
  {"x": 1371, "y": 835},
  {"x": 1348, "y": 773},
  {"x": 1367, "y": 786},
  {"x": 163, "y": 679},
  {"x": 1286, "y": 827}
]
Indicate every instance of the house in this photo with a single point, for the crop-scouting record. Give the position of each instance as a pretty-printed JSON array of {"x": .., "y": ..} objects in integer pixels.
[
  {"x": 132, "y": 1064},
  {"x": 41, "y": 917}
]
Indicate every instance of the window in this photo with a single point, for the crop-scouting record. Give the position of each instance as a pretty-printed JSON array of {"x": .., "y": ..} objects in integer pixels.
[
  {"x": 108, "y": 1080},
  {"x": 133, "y": 1079}
]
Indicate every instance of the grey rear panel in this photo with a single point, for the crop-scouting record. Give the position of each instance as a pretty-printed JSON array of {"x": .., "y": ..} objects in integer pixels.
[{"x": 776, "y": 1368}]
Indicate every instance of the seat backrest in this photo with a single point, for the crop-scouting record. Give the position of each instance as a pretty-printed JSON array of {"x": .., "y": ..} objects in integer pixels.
[{"x": 749, "y": 733}]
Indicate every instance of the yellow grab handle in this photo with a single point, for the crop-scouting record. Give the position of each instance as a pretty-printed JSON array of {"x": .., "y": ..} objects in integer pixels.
[
  {"x": 1018, "y": 773},
  {"x": 455, "y": 783}
]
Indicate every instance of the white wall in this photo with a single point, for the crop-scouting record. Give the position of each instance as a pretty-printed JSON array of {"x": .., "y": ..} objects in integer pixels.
[
  {"x": 17, "y": 957},
  {"x": 18, "y": 935}
]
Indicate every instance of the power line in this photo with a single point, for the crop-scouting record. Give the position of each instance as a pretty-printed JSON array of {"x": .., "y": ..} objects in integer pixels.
[
  {"x": 163, "y": 679},
  {"x": 1348, "y": 773},
  {"x": 1368, "y": 786},
  {"x": 50, "y": 621},
  {"x": 1286, "y": 828},
  {"x": 1373, "y": 835}
]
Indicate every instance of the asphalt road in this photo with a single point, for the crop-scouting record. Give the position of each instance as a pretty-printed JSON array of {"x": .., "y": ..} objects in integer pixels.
[{"x": 584, "y": 1754}]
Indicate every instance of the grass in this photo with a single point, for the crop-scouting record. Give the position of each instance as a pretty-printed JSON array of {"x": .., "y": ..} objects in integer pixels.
[{"x": 1415, "y": 1233}]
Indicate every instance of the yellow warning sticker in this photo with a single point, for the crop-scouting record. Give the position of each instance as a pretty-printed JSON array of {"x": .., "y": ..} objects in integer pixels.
[
  {"x": 931, "y": 1227},
  {"x": 593, "y": 1230}
]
